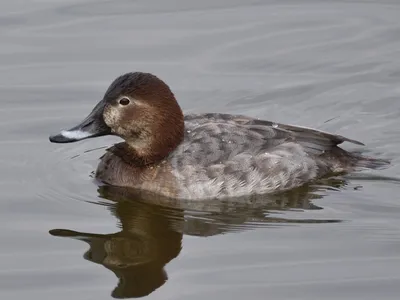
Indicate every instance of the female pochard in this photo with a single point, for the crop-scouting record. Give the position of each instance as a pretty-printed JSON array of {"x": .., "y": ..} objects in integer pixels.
[{"x": 203, "y": 156}]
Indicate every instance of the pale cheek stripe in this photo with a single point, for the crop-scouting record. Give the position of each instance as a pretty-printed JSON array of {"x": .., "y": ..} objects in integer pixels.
[{"x": 75, "y": 134}]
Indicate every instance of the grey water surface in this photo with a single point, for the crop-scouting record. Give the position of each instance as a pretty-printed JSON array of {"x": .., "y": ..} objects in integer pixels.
[{"x": 332, "y": 65}]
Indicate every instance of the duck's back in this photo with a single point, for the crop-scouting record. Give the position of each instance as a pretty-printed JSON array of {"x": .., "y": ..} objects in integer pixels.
[{"x": 231, "y": 156}]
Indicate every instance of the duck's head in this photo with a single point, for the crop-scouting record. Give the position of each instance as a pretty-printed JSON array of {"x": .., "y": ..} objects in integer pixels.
[{"x": 138, "y": 107}]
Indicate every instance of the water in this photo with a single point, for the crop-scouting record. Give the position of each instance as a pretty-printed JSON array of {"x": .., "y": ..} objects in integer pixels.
[{"x": 333, "y": 65}]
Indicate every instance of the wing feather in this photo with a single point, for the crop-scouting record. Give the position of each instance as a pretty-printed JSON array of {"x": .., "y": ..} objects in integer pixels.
[{"x": 315, "y": 141}]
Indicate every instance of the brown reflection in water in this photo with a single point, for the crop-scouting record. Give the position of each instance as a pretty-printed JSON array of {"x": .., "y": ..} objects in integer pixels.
[
  {"x": 138, "y": 253},
  {"x": 152, "y": 229}
]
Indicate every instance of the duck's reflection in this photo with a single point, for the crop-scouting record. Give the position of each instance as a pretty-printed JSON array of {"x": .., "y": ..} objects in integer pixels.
[
  {"x": 137, "y": 253},
  {"x": 152, "y": 228}
]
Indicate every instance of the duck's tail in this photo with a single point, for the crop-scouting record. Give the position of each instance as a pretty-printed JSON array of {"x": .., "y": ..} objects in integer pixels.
[
  {"x": 360, "y": 161},
  {"x": 345, "y": 161}
]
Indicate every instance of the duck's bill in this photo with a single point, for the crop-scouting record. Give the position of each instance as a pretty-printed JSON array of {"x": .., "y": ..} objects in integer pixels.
[{"x": 92, "y": 126}]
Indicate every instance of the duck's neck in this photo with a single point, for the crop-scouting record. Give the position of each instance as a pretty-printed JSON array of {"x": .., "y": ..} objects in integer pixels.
[{"x": 153, "y": 147}]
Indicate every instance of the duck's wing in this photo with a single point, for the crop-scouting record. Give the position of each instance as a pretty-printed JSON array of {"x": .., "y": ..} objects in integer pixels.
[{"x": 314, "y": 141}]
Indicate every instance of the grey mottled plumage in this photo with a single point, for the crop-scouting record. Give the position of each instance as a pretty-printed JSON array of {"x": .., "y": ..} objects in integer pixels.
[{"x": 231, "y": 156}]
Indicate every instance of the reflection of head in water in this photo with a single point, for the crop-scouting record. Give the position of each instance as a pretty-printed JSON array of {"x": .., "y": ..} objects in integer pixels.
[
  {"x": 152, "y": 228},
  {"x": 138, "y": 253}
]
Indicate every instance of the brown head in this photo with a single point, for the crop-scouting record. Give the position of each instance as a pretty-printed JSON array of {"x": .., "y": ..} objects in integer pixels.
[{"x": 141, "y": 109}]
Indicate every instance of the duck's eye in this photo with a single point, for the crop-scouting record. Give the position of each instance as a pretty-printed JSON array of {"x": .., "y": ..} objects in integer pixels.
[{"x": 124, "y": 101}]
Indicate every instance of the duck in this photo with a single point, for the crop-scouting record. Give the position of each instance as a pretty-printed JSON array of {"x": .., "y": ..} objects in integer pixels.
[{"x": 203, "y": 156}]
